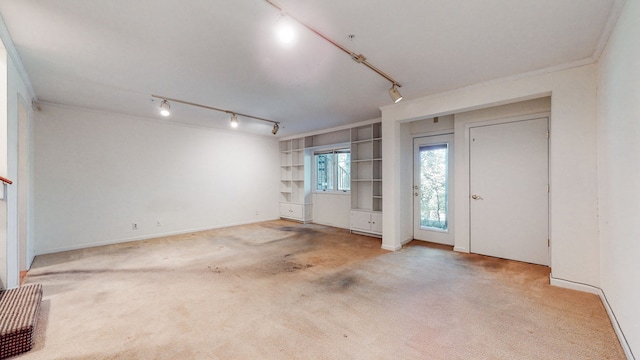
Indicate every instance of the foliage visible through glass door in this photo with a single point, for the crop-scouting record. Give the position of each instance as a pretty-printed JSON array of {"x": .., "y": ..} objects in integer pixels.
[{"x": 434, "y": 186}]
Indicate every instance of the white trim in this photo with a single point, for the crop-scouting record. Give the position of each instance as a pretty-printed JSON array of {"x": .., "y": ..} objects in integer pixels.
[
  {"x": 506, "y": 120},
  {"x": 574, "y": 285},
  {"x": 391, "y": 248},
  {"x": 432, "y": 133},
  {"x": 154, "y": 120},
  {"x": 146, "y": 237},
  {"x": 461, "y": 249},
  {"x": 329, "y": 130},
  {"x": 603, "y": 298},
  {"x": 15, "y": 57},
  {"x": 503, "y": 80}
]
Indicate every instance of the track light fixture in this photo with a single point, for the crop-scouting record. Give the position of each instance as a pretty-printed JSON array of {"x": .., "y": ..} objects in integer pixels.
[
  {"x": 165, "y": 107},
  {"x": 395, "y": 94},
  {"x": 359, "y": 58},
  {"x": 234, "y": 121}
]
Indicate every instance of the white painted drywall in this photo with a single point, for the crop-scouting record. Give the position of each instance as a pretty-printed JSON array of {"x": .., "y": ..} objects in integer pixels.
[
  {"x": 332, "y": 209},
  {"x": 619, "y": 172},
  {"x": 98, "y": 173},
  {"x": 4, "y": 137},
  {"x": 573, "y": 217},
  {"x": 10, "y": 94}
]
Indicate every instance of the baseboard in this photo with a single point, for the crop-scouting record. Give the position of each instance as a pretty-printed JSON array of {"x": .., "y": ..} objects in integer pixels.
[
  {"x": 145, "y": 237},
  {"x": 614, "y": 321},
  {"x": 574, "y": 285},
  {"x": 396, "y": 247},
  {"x": 603, "y": 298},
  {"x": 391, "y": 247},
  {"x": 460, "y": 249}
]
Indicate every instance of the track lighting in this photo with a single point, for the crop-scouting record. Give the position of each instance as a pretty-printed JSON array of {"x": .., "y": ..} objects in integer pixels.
[
  {"x": 165, "y": 108},
  {"x": 234, "y": 121},
  {"x": 395, "y": 94},
  {"x": 359, "y": 58},
  {"x": 284, "y": 30}
]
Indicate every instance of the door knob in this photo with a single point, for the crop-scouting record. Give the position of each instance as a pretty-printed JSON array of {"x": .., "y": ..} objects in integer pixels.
[{"x": 476, "y": 197}]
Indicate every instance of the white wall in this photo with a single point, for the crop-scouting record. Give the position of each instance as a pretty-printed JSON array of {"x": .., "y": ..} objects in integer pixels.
[
  {"x": 573, "y": 219},
  {"x": 16, "y": 88},
  {"x": 97, "y": 173},
  {"x": 4, "y": 136},
  {"x": 619, "y": 172},
  {"x": 332, "y": 209}
]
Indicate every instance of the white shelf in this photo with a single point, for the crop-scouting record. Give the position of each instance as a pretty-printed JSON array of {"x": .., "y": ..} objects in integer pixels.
[
  {"x": 366, "y": 179},
  {"x": 295, "y": 193}
]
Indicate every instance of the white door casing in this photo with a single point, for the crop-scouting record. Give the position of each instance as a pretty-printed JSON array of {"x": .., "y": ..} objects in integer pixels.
[{"x": 509, "y": 194}]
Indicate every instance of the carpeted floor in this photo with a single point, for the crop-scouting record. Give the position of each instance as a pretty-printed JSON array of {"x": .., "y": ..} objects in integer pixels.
[{"x": 281, "y": 290}]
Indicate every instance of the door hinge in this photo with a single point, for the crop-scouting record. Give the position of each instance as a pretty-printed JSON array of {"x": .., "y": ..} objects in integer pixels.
[
  {"x": 548, "y": 134},
  {"x": 548, "y": 188},
  {"x": 548, "y": 242}
]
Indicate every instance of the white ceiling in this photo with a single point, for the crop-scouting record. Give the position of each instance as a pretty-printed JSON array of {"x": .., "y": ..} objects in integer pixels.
[{"x": 112, "y": 55}]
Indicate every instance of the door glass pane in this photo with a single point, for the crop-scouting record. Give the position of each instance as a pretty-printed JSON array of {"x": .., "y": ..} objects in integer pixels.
[{"x": 434, "y": 186}]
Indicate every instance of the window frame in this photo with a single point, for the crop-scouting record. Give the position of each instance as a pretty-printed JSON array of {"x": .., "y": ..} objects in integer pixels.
[{"x": 334, "y": 151}]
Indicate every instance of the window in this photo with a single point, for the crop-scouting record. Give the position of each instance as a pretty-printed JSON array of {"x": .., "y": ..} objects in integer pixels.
[
  {"x": 332, "y": 170},
  {"x": 434, "y": 186}
]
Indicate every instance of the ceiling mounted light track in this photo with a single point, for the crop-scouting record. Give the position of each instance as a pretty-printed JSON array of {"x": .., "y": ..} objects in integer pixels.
[
  {"x": 359, "y": 58},
  {"x": 164, "y": 106}
]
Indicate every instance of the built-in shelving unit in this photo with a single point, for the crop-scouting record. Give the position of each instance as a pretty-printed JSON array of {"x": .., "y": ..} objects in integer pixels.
[
  {"x": 295, "y": 182},
  {"x": 366, "y": 179}
]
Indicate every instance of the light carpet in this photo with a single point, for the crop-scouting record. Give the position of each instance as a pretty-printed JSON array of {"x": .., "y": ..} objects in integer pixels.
[{"x": 281, "y": 290}]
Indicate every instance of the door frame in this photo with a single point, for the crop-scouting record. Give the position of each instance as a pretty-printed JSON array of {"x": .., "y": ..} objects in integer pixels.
[
  {"x": 463, "y": 215},
  {"x": 451, "y": 191}
]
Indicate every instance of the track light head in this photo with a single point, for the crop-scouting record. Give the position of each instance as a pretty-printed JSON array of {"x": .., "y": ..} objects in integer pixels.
[
  {"x": 395, "y": 94},
  {"x": 165, "y": 108},
  {"x": 276, "y": 127},
  {"x": 234, "y": 121}
]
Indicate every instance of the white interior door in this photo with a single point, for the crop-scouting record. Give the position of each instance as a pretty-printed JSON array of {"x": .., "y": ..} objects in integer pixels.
[
  {"x": 509, "y": 202},
  {"x": 433, "y": 189}
]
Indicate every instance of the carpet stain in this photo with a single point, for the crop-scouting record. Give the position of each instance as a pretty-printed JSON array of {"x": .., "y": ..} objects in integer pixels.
[
  {"x": 215, "y": 270},
  {"x": 339, "y": 282}
]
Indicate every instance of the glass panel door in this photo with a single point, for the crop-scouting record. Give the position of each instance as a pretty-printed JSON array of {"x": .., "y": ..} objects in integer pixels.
[{"x": 433, "y": 189}]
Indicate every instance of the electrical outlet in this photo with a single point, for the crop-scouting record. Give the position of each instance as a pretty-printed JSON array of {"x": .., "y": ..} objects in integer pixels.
[
  {"x": 257, "y": 212},
  {"x": 158, "y": 223},
  {"x": 134, "y": 226}
]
